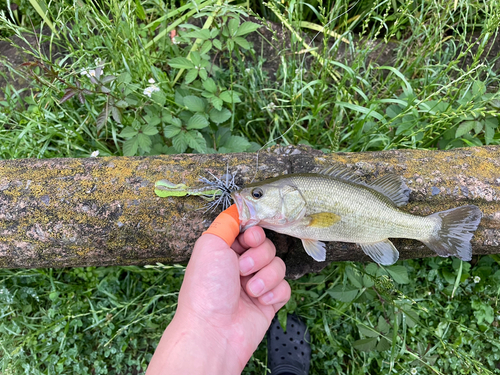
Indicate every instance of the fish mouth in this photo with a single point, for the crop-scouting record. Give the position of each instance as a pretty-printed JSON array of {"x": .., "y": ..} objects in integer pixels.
[{"x": 246, "y": 211}]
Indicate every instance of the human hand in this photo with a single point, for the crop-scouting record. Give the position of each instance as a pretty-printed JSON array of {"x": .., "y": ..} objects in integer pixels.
[{"x": 226, "y": 303}]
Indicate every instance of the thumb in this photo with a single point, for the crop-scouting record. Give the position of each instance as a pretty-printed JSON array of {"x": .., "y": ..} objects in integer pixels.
[{"x": 226, "y": 225}]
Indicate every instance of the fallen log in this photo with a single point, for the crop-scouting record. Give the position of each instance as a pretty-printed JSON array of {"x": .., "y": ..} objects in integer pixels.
[{"x": 103, "y": 211}]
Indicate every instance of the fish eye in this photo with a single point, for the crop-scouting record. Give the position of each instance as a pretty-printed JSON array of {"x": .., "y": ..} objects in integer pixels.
[{"x": 257, "y": 193}]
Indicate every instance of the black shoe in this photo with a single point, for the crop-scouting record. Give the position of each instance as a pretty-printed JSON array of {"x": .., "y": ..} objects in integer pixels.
[{"x": 289, "y": 353}]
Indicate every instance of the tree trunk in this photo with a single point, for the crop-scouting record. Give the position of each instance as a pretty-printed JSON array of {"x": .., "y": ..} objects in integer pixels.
[{"x": 103, "y": 211}]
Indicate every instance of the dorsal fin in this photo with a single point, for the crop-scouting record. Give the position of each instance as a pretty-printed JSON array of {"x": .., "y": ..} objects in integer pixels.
[
  {"x": 343, "y": 173},
  {"x": 393, "y": 187}
]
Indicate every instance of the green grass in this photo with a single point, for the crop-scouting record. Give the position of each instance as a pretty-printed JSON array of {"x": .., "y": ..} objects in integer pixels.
[{"x": 433, "y": 316}]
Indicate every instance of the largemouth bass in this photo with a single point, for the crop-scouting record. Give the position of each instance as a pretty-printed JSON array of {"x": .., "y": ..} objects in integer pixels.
[{"x": 335, "y": 205}]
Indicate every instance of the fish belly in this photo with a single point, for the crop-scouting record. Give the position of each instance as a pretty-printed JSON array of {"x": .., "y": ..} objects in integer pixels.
[{"x": 365, "y": 215}]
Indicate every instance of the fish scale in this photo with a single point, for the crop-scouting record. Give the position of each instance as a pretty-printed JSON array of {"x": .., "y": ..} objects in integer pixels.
[{"x": 366, "y": 215}]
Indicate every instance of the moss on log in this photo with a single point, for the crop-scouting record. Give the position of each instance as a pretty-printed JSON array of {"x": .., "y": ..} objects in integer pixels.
[{"x": 103, "y": 211}]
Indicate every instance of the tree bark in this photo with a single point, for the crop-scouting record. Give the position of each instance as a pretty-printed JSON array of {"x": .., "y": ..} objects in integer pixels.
[{"x": 103, "y": 211}]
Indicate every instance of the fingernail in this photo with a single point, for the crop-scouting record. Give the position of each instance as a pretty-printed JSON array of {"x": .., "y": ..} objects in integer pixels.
[
  {"x": 267, "y": 298},
  {"x": 246, "y": 265},
  {"x": 256, "y": 236},
  {"x": 256, "y": 286}
]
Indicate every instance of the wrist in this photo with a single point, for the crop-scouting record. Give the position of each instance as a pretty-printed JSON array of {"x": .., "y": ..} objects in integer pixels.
[{"x": 191, "y": 346}]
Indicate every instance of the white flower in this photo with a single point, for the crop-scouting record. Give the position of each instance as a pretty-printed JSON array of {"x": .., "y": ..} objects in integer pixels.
[
  {"x": 151, "y": 80},
  {"x": 271, "y": 107},
  {"x": 477, "y": 279},
  {"x": 413, "y": 371},
  {"x": 94, "y": 154},
  {"x": 88, "y": 73},
  {"x": 151, "y": 89},
  {"x": 174, "y": 40},
  {"x": 248, "y": 70}
]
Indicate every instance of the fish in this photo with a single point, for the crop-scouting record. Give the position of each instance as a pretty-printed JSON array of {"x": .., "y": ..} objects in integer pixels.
[{"x": 336, "y": 205}]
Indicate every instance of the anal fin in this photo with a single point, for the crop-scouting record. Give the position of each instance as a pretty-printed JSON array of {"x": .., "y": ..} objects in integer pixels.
[
  {"x": 316, "y": 249},
  {"x": 382, "y": 252}
]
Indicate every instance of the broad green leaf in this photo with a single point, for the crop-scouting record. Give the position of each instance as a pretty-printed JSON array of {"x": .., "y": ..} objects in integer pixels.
[
  {"x": 191, "y": 75},
  {"x": 217, "y": 103},
  {"x": 144, "y": 142},
  {"x": 199, "y": 34},
  {"x": 159, "y": 98},
  {"x": 195, "y": 58},
  {"x": 367, "y": 331},
  {"x": 217, "y": 44},
  {"x": 149, "y": 129},
  {"x": 203, "y": 74},
  {"x": 404, "y": 126},
  {"x": 342, "y": 293},
  {"x": 197, "y": 121},
  {"x": 108, "y": 78},
  {"x": 237, "y": 144},
  {"x": 219, "y": 116},
  {"x": 354, "y": 277},
  {"x": 232, "y": 26},
  {"x": 489, "y": 133},
  {"x": 116, "y": 114},
  {"x": 176, "y": 122},
  {"x": 128, "y": 132},
  {"x": 382, "y": 325},
  {"x": 434, "y": 106},
  {"x": 365, "y": 345},
  {"x": 214, "y": 33},
  {"x": 196, "y": 141},
  {"x": 131, "y": 100},
  {"x": 412, "y": 318},
  {"x": 180, "y": 142},
  {"x": 464, "y": 128},
  {"x": 181, "y": 63},
  {"x": 171, "y": 131},
  {"x": 125, "y": 77},
  {"x": 478, "y": 88},
  {"x": 372, "y": 269},
  {"x": 242, "y": 42},
  {"x": 393, "y": 110},
  {"x": 478, "y": 126},
  {"x": 194, "y": 103},
  {"x": 226, "y": 96},
  {"x": 399, "y": 274},
  {"x": 210, "y": 85},
  {"x": 179, "y": 99},
  {"x": 121, "y": 104},
  {"x": 130, "y": 146},
  {"x": 491, "y": 122},
  {"x": 206, "y": 46},
  {"x": 383, "y": 344},
  {"x": 246, "y": 28}
]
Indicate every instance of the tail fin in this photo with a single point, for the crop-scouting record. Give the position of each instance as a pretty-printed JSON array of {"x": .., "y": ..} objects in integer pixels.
[{"x": 453, "y": 235}]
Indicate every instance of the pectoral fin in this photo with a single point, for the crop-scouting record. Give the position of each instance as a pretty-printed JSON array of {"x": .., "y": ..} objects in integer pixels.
[
  {"x": 322, "y": 219},
  {"x": 382, "y": 252},
  {"x": 316, "y": 249}
]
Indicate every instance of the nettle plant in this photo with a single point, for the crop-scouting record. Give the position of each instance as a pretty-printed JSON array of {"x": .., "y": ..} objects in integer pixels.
[{"x": 175, "y": 115}]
